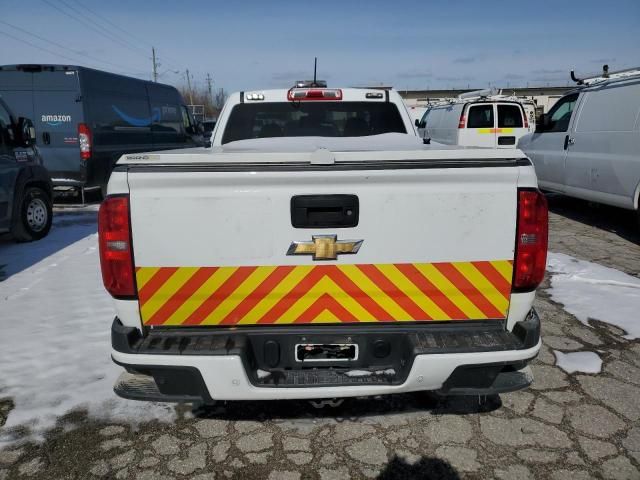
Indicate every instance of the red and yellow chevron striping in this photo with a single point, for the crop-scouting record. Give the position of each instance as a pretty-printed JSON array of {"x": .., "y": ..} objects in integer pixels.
[{"x": 264, "y": 295}]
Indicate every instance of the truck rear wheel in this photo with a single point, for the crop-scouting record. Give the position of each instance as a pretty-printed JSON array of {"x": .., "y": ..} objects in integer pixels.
[{"x": 33, "y": 215}]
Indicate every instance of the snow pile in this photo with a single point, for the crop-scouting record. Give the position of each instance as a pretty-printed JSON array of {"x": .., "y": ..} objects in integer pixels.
[
  {"x": 55, "y": 343},
  {"x": 590, "y": 291},
  {"x": 585, "y": 362}
]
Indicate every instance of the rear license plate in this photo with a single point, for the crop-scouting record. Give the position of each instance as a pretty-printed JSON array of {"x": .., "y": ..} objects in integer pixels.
[{"x": 326, "y": 352}]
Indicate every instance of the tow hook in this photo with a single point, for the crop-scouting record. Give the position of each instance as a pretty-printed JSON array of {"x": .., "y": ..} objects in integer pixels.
[{"x": 328, "y": 402}]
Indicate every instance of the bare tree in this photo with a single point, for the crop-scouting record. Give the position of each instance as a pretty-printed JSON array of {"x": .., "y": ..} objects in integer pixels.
[{"x": 201, "y": 96}]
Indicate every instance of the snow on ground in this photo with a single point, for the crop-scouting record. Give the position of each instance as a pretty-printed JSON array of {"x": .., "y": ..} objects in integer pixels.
[
  {"x": 55, "y": 320},
  {"x": 590, "y": 291},
  {"x": 585, "y": 362}
]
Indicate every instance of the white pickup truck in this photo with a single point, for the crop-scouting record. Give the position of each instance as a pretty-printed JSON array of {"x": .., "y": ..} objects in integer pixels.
[{"x": 318, "y": 250}]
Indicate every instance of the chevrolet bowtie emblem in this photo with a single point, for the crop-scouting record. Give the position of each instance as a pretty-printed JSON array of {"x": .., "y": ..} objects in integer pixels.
[{"x": 325, "y": 247}]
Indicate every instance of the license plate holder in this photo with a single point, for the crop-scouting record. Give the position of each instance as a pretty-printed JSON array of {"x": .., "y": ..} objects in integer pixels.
[{"x": 326, "y": 352}]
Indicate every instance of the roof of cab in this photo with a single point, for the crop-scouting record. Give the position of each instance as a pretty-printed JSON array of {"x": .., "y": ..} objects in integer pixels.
[{"x": 348, "y": 95}]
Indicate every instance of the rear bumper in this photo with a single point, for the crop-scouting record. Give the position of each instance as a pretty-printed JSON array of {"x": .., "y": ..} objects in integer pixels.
[{"x": 183, "y": 365}]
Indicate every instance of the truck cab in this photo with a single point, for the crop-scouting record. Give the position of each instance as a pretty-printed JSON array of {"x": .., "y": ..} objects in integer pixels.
[{"x": 311, "y": 112}]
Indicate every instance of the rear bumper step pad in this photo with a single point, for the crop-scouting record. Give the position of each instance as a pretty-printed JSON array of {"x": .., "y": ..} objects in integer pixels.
[{"x": 386, "y": 357}]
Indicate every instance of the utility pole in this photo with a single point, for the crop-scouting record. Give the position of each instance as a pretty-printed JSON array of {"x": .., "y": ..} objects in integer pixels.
[
  {"x": 210, "y": 88},
  {"x": 155, "y": 64},
  {"x": 189, "y": 86}
]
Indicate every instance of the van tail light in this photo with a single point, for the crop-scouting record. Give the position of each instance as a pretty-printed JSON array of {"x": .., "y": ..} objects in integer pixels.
[
  {"x": 84, "y": 138},
  {"x": 462, "y": 121},
  {"x": 114, "y": 239},
  {"x": 526, "y": 121},
  {"x": 531, "y": 240}
]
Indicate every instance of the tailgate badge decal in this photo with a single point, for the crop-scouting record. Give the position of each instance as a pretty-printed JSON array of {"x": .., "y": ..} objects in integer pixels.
[{"x": 325, "y": 247}]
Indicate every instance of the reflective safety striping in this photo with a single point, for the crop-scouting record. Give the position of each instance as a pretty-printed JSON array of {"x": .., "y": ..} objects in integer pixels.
[
  {"x": 495, "y": 130},
  {"x": 365, "y": 293}
]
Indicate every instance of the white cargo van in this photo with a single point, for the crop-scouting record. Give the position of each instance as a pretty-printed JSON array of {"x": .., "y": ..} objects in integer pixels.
[
  {"x": 588, "y": 145},
  {"x": 479, "y": 122}
]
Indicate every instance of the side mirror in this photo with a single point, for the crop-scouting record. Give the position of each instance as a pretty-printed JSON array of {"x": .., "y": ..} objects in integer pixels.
[
  {"x": 26, "y": 134},
  {"x": 417, "y": 122}
]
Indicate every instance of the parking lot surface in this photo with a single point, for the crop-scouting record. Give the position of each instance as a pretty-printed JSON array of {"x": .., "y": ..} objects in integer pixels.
[{"x": 566, "y": 426}]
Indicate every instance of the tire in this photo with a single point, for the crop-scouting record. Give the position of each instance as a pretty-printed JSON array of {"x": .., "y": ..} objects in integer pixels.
[{"x": 34, "y": 214}]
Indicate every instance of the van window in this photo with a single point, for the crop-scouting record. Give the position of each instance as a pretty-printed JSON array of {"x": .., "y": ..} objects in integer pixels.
[
  {"x": 560, "y": 114},
  {"x": 5, "y": 126},
  {"x": 186, "y": 119},
  {"x": 434, "y": 118},
  {"x": 509, "y": 116},
  {"x": 480, "y": 116},
  {"x": 322, "y": 119},
  {"x": 165, "y": 113},
  {"x": 423, "y": 120},
  {"x": 610, "y": 109},
  {"x": 119, "y": 119}
]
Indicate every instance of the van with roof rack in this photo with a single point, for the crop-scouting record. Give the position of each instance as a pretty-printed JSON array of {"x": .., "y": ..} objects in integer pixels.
[
  {"x": 588, "y": 145},
  {"x": 86, "y": 119},
  {"x": 483, "y": 118}
]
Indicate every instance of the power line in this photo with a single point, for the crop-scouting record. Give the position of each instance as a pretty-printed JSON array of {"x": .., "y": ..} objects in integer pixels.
[
  {"x": 117, "y": 37},
  {"x": 104, "y": 19},
  {"x": 75, "y": 52},
  {"x": 38, "y": 47},
  {"x": 74, "y": 60},
  {"x": 102, "y": 30}
]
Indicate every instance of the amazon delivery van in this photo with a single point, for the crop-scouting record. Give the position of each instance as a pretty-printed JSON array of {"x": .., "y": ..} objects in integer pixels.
[{"x": 87, "y": 119}]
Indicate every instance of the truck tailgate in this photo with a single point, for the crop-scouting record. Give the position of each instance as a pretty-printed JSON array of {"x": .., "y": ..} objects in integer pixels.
[{"x": 213, "y": 246}]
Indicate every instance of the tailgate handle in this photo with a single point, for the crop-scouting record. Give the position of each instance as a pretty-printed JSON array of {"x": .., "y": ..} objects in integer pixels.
[{"x": 324, "y": 211}]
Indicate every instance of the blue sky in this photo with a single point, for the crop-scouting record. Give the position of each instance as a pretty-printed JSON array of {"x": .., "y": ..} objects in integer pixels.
[{"x": 270, "y": 43}]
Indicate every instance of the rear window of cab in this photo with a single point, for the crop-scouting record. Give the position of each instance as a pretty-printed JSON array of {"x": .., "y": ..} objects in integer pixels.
[{"x": 321, "y": 119}]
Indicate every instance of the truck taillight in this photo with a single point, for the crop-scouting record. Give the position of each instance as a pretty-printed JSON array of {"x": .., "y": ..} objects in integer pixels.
[
  {"x": 114, "y": 238},
  {"x": 531, "y": 240},
  {"x": 302, "y": 94},
  {"x": 526, "y": 121},
  {"x": 84, "y": 139},
  {"x": 462, "y": 121}
]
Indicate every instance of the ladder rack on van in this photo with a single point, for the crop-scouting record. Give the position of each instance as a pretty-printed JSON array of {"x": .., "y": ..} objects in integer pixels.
[
  {"x": 606, "y": 76},
  {"x": 490, "y": 95}
]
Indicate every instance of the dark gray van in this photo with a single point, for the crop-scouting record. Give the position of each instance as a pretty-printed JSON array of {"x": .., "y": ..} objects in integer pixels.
[
  {"x": 25, "y": 186},
  {"x": 86, "y": 119}
]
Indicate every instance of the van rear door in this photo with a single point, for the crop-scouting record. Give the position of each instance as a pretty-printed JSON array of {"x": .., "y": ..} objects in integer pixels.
[
  {"x": 480, "y": 128},
  {"x": 57, "y": 108},
  {"x": 511, "y": 124}
]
